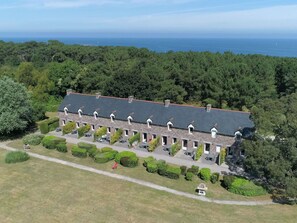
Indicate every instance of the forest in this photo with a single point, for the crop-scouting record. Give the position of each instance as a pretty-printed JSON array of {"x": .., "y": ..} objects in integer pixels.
[{"x": 265, "y": 86}]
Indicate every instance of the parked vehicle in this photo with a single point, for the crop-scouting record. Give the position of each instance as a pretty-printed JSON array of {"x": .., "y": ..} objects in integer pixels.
[
  {"x": 58, "y": 129},
  {"x": 143, "y": 145},
  {"x": 74, "y": 132},
  {"x": 88, "y": 134}
]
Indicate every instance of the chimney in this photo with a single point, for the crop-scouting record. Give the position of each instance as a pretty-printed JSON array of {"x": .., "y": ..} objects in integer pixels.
[
  {"x": 98, "y": 94},
  {"x": 69, "y": 91},
  {"x": 208, "y": 107},
  {"x": 167, "y": 103},
  {"x": 130, "y": 99}
]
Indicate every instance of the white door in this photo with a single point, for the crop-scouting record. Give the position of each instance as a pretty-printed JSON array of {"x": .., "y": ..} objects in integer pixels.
[
  {"x": 185, "y": 144},
  {"x": 206, "y": 148},
  {"x": 218, "y": 149}
]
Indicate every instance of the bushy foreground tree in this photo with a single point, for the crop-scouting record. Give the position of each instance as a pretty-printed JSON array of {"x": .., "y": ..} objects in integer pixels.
[{"x": 15, "y": 107}]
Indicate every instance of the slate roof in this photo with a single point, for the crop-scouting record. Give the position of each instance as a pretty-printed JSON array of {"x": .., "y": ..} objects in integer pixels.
[{"x": 227, "y": 122}]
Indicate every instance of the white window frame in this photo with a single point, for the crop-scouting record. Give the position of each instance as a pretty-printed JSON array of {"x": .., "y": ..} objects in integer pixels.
[
  {"x": 63, "y": 122},
  {"x": 149, "y": 122},
  {"x": 129, "y": 120},
  {"x": 112, "y": 117},
  {"x": 108, "y": 130},
  {"x": 96, "y": 115},
  {"x": 77, "y": 124},
  {"x": 66, "y": 111},
  {"x": 126, "y": 132},
  {"x": 189, "y": 129},
  {"x": 93, "y": 127},
  {"x": 213, "y": 132},
  {"x": 79, "y": 113},
  {"x": 169, "y": 126},
  {"x": 195, "y": 147}
]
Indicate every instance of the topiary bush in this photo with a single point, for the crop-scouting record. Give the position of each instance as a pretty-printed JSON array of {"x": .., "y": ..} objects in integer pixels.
[
  {"x": 86, "y": 146},
  {"x": 68, "y": 127},
  {"x": 106, "y": 149},
  {"x": 51, "y": 142},
  {"x": 199, "y": 152},
  {"x": 175, "y": 148},
  {"x": 205, "y": 174},
  {"x": 105, "y": 157},
  {"x": 79, "y": 152},
  {"x": 148, "y": 160},
  {"x": 153, "y": 144},
  {"x": 16, "y": 157},
  {"x": 82, "y": 130},
  {"x": 134, "y": 138},
  {"x": 183, "y": 170},
  {"x": 93, "y": 152},
  {"x": 245, "y": 187},
  {"x": 116, "y": 136},
  {"x": 214, "y": 177},
  {"x": 120, "y": 155},
  {"x": 172, "y": 172},
  {"x": 43, "y": 127},
  {"x": 223, "y": 154},
  {"x": 162, "y": 166},
  {"x": 62, "y": 147},
  {"x": 48, "y": 125},
  {"x": 189, "y": 176},
  {"x": 228, "y": 180},
  {"x": 152, "y": 167},
  {"x": 33, "y": 139},
  {"x": 194, "y": 170},
  {"x": 129, "y": 161},
  {"x": 100, "y": 132}
]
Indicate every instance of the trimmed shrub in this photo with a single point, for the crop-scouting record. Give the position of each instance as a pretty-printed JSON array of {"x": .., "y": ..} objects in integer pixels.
[
  {"x": 79, "y": 152},
  {"x": 228, "y": 180},
  {"x": 129, "y": 161},
  {"x": 68, "y": 127},
  {"x": 93, "y": 151},
  {"x": 199, "y": 152},
  {"x": 172, "y": 172},
  {"x": 16, "y": 157},
  {"x": 245, "y": 187},
  {"x": 82, "y": 130},
  {"x": 223, "y": 154},
  {"x": 183, "y": 170},
  {"x": 106, "y": 149},
  {"x": 205, "y": 174},
  {"x": 62, "y": 147},
  {"x": 116, "y": 136},
  {"x": 194, "y": 170},
  {"x": 48, "y": 125},
  {"x": 43, "y": 127},
  {"x": 134, "y": 138},
  {"x": 152, "y": 167},
  {"x": 33, "y": 139},
  {"x": 153, "y": 144},
  {"x": 189, "y": 176},
  {"x": 100, "y": 132},
  {"x": 175, "y": 148},
  {"x": 51, "y": 142},
  {"x": 86, "y": 146},
  {"x": 162, "y": 166},
  {"x": 147, "y": 160},
  {"x": 105, "y": 157},
  {"x": 120, "y": 155},
  {"x": 214, "y": 177}
]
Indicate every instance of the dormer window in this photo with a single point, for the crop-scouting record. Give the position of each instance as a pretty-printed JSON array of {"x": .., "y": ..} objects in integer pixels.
[
  {"x": 191, "y": 129},
  {"x": 112, "y": 117},
  {"x": 149, "y": 122},
  {"x": 129, "y": 120},
  {"x": 169, "y": 126},
  {"x": 95, "y": 114},
  {"x": 238, "y": 135},
  {"x": 66, "y": 111},
  {"x": 214, "y": 132},
  {"x": 79, "y": 112}
]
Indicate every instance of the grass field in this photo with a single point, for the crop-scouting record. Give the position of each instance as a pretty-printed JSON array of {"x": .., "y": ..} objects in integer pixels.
[
  {"x": 40, "y": 191},
  {"x": 215, "y": 190}
]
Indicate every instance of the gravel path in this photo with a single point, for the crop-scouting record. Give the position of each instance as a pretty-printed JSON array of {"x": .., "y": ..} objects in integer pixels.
[{"x": 139, "y": 182}]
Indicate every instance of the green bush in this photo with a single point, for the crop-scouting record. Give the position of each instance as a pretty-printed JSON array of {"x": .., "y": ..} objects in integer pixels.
[
  {"x": 153, "y": 144},
  {"x": 152, "y": 167},
  {"x": 194, "y": 170},
  {"x": 129, "y": 161},
  {"x": 62, "y": 147},
  {"x": 86, "y": 146},
  {"x": 245, "y": 187},
  {"x": 51, "y": 142},
  {"x": 105, "y": 157},
  {"x": 79, "y": 152},
  {"x": 214, "y": 177},
  {"x": 222, "y": 156},
  {"x": 93, "y": 151},
  {"x": 33, "y": 139},
  {"x": 48, "y": 125},
  {"x": 183, "y": 170},
  {"x": 199, "y": 152},
  {"x": 175, "y": 148},
  {"x": 189, "y": 176},
  {"x": 106, "y": 149},
  {"x": 172, "y": 172},
  {"x": 116, "y": 136},
  {"x": 228, "y": 180},
  {"x": 68, "y": 127},
  {"x": 43, "y": 127},
  {"x": 120, "y": 155},
  {"x": 205, "y": 174},
  {"x": 82, "y": 130},
  {"x": 16, "y": 157},
  {"x": 148, "y": 160},
  {"x": 134, "y": 138},
  {"x": 100, "y": 132},
  {"x": 162, "y": 166}
]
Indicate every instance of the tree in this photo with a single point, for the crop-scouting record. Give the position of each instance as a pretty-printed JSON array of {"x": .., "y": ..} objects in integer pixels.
[{"x": 15, "y": 107}]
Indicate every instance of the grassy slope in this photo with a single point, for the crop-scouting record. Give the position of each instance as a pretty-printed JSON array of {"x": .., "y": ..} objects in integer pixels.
[{"x": 39, "y": 191}]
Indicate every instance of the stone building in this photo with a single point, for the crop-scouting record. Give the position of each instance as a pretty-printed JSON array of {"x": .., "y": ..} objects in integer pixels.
[{"x": 189, "y": 125}]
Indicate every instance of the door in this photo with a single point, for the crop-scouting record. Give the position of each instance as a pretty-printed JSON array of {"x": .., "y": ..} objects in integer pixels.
[
  {"x": 185, "y": 144},
  {"x": 218, "y": 149},
  {"x": 144, "y": 137},
  {"x": 164, "y": 140},
  {"x": 206, "y": 148}
]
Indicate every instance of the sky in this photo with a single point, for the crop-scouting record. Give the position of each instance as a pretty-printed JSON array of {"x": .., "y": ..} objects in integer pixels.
[{"x": 149, "y": 18}]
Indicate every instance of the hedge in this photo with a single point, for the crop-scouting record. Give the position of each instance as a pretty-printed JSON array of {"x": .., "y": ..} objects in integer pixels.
[
  {"x": 205, "y": 174},
  {"x": 62, "y": 147},
  {"x": 106, "y": 149},
  {"x": 129, "y": 161},
  {"x": 79, "y": 152},
  {"x": 120, "y": 155},
  {"x": 105, "y": 157},
  {"x": 82, "y": 130},
  {"x": 51, "y": 142},
  {"x": 189, "y": 176},
  {"x": 228, "y": 180},
  {"x": 162, "y": 166},
  {"x": 116, "y": 136},
  {"x": 33, "y": 139},
  {"x": 199, "y": 152},
  {"x": 93, "y": 152},
  {"x": 183, "y": 170},
  {"x": 85, "y": 145},
  {"x": 214, "y": 177},
  {"x": 194, "y": 170},
  {"x": 152, "y": 167},
  {"x": 68, "y": 127},
  {"x": 100, "y": 132},
  {"x": 222, "y": 156},
  {"x": 48, "y": 125},
  {"x": 175, "y": 148},
  {"x": 153, "y": 144},
  {"x": 245, "y": 187},
  {"x": 172, "y": 172},
  {"x": 16, "y": 157},
  {"x": 134, "y": 138}
]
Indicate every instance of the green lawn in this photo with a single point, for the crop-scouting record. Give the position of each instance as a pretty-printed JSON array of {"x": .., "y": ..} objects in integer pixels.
[
  {"x": 215, "y": 190},
  {"x": 40, "y": 191}
]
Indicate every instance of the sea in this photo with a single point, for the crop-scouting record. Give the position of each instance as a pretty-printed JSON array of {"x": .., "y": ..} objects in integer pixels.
[{"x": 269, "y": 47}]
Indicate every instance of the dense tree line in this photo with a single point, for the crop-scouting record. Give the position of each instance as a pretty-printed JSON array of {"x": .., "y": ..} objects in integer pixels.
[{"x": 264, "y": 85}]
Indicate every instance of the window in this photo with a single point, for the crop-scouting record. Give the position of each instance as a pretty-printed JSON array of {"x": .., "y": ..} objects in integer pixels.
[
  {"x": 191, "y": 129},
  {"x": 93, "y": 127},
  {"x": 126, "y": 132},
  {"x": 154, "y": 136},
  {"x": 79, "y": 112},
  {"x": 108, "y": 130},
  {"x": 149, "y": 122},
  {"x": 95, "y": 114},
  {"x": 214, "y": 132},
  {"x": 129, "y": 120},
  {"x": 112, "y": 117},
  {"x": 238, "y": 136},
  {"x": 63, "y": 122},
  {"x": 195, "y": 144},
  {"x": 66, "y": 111},
  {"x": 242, "y": 152},
  {"x": 174, "y": 140},
  {"x": 229, "y": 151},
  {"x": 134, "y": 132},
  {"x": 77, "y": 125},
  {"x": 169, "y": 126},
  {"x": 85, "y": 124},
  {"x": 116, "y": 129}
]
